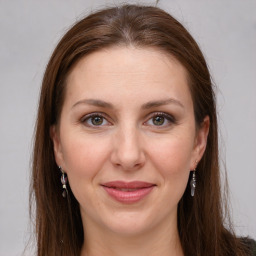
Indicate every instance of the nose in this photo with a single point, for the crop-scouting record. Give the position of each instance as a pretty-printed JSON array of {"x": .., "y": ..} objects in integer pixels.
[{"x": 128, "y": 153}]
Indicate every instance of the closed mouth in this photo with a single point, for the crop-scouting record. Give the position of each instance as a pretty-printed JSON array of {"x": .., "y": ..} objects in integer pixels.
[
  {"x": 128, "y": 186},
  {"x": 128, "y": 192}
]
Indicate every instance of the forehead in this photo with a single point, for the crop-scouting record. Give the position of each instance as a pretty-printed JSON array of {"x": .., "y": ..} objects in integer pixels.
[{"x": 127, "y": 71}]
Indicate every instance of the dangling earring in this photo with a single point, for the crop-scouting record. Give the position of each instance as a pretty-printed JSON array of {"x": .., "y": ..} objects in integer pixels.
[
  {"x": 193, "y": 183},
  {"x": 64, "y": 180}
]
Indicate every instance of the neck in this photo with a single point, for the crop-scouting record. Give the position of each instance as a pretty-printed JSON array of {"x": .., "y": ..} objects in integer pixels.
[{"x": 162, "y": 241}]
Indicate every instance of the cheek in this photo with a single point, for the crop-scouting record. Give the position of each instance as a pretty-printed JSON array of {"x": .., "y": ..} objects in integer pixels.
[
  {"x": 172, "y": 159},
  {"x": 83, "y": 158},
  {"x": 173, "y": 155}
]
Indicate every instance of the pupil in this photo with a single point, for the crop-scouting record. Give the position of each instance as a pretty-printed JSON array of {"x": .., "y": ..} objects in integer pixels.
[
  {"x": 158, "y": 120},
  {"x": 97, "y": 120}
]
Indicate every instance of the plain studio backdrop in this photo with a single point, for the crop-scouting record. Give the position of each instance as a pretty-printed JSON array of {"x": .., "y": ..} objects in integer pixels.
[{"x": 29, "y": 31}]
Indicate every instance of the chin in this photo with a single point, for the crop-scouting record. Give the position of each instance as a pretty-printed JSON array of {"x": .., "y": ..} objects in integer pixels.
[
  {"x": 129, "y": 229},
  {"x": 129, "y": 223}
]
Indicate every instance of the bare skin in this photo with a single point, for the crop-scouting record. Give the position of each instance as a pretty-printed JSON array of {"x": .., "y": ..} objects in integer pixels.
[{"x": 128, "y": 115}]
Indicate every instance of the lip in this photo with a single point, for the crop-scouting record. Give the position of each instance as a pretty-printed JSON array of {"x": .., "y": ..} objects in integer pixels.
[{"x": 128, "y": 192}]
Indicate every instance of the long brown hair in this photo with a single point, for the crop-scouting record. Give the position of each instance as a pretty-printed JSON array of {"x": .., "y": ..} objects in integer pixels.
[{"x": 58, "y": 221}]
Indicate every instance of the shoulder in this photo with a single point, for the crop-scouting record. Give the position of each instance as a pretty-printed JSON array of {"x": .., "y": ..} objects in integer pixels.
[{"x": 250, "y": 244}]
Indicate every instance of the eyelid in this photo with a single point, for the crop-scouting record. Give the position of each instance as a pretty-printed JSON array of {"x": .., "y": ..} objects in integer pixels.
[
  {"x": 170, "y": 118},
  {"x": 93, "y": 114}
]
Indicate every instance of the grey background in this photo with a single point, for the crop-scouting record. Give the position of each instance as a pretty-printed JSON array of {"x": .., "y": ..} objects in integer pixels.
[{"x": 29, "y": 30}]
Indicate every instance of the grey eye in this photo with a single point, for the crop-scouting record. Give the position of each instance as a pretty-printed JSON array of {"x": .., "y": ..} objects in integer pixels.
[
  {"x": 94, "y": 119},
  {"x": 158, "y": 120},
  {"x": 97, "y": 120}
]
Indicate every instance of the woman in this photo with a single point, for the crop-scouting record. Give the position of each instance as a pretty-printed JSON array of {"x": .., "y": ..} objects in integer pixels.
[{"x": 126, "y": 146}]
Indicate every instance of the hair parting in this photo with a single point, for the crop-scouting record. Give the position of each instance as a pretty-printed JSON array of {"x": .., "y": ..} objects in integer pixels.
[{"x": 59, "y": 229}]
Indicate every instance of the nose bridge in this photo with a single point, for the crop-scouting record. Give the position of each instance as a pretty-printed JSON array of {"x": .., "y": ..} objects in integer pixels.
[{"x": 128, "y": 151}]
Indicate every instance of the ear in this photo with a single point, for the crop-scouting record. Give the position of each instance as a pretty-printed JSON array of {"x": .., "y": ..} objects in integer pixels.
[
  {"x": 200, "y": 141},
  {"x": 57, "y": 145}
]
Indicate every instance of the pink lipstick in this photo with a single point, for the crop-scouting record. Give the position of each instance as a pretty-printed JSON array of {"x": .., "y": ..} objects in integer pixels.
[{"x": 128, "y": 192}]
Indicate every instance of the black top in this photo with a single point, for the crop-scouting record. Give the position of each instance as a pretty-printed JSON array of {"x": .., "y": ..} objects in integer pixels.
[{"x": 251, "y": 244}]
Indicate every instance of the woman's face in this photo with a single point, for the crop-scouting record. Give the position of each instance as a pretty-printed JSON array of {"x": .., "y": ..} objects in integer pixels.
[{"x": 127, "y": 138}]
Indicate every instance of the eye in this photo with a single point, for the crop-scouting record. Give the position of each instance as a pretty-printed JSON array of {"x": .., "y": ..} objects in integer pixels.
[
  {"x": 94, "y": 120},
  {"x": 160, "y": 119}
]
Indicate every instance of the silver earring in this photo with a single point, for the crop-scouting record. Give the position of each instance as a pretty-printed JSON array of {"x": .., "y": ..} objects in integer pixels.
[
  {"x": 64, "y": 180},
  {"x": 193, "y": 183}
]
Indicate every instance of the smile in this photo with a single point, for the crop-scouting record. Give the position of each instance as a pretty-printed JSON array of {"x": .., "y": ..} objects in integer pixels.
[{"x": 128, "y": 192}]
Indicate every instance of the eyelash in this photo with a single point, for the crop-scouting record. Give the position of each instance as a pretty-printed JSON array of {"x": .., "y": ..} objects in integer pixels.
[
  {"x": 167, "y": 117},
  {"x": 88, "y": 117}
]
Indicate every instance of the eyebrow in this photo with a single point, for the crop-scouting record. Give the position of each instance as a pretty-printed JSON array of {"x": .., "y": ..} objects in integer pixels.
[
  {"x": 94, "y": 102},
  {"x": 148, "y": 105},
  {"x": 158, "y": 103}
]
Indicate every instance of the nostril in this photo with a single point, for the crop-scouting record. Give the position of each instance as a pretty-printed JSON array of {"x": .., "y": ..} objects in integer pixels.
[{"x": 127, "y": 152}]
